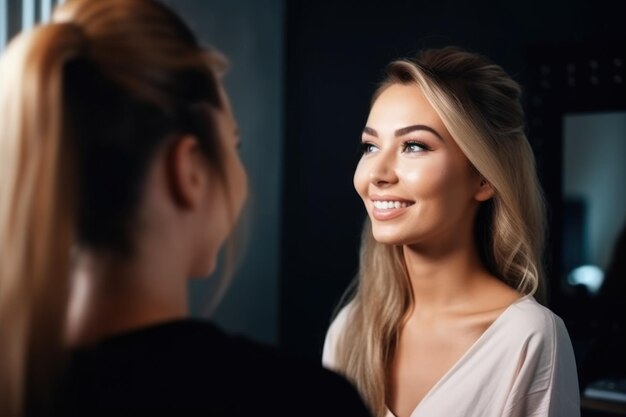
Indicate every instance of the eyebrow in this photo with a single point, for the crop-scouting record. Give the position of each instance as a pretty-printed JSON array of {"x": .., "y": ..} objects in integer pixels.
[{"x": 403, "y": 131}]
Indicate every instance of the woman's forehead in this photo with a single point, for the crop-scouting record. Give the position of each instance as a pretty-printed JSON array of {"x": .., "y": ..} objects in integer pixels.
[{"x": 401, "y": 105}]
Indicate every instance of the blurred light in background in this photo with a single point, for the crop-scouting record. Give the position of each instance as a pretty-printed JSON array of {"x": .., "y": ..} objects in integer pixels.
[{"x": 590, "y": 276}]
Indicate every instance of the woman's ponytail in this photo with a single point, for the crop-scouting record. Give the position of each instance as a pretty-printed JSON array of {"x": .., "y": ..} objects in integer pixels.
[{"x": 37, "y": 196}]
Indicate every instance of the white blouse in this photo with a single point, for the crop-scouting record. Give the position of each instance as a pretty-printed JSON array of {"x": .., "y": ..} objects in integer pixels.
[{"x": 523, "y": 365}]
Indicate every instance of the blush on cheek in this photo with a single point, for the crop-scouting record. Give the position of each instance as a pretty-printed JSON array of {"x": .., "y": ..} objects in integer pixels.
[{"x": 427, "y": 183}]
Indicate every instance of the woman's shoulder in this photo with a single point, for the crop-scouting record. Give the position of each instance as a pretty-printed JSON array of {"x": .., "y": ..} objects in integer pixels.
[
  {"x": 336, "y": 329},
  {"x": 530, "y": 311},
  {"x": 180, "y": 341},
  {"x": 338, "y": 323},
  {"x": 192, "y": 346},
  {"x": 194, "y": 365},
  {"x": 528, "y": 318},
  {"x": 546, "y": 373}
]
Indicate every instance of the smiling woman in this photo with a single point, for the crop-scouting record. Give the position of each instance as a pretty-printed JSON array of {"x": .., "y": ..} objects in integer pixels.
[
  {"x": 443, "y": 321},
  {"x": 426, "y": 171}
]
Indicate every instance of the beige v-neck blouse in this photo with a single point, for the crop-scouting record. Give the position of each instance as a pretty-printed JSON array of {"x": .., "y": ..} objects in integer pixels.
[{"x": 521, "y": 366}]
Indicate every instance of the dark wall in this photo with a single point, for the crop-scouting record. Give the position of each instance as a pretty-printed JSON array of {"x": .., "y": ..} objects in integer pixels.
[
  {"x": 250, "y": 33},
  {"x": 335, "y": 55}
]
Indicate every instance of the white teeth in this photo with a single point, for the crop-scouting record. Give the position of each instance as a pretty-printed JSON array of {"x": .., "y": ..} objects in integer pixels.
[{"x": 385, "y": 205}]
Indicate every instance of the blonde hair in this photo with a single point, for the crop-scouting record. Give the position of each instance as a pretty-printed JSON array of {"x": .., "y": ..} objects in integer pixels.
[
  {"x": 480, "y": 106},
  {"x": 105, "y": 83}
]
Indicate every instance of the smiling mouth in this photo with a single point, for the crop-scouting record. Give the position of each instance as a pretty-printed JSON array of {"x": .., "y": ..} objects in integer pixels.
[{"x": 391, "y": 204}]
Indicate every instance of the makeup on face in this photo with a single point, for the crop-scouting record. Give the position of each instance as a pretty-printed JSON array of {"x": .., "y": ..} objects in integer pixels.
[{"x": 412, "y": 177}]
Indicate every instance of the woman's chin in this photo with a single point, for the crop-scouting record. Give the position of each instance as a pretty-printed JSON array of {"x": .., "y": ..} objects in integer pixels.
[
  {"x": 205, "y": 271},
  {"x": 388, "y": 239}
]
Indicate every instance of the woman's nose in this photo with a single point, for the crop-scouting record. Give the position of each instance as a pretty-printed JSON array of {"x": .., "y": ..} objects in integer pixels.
[{"x": 382, "y": 171}]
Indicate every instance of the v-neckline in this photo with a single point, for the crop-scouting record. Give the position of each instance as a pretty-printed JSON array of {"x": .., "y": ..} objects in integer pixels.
[{"x": 461, "y": 359}]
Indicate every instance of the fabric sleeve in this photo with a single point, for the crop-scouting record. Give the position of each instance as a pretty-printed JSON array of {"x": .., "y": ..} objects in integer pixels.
[{"x": 547, "y": 383}]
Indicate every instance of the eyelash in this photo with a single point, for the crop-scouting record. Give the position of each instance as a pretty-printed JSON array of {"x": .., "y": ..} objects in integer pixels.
[
  {"x": 421, "y": 145},
  {"x": 365, "y": 146}
]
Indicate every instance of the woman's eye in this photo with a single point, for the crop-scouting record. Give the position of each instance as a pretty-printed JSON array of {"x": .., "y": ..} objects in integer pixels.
[
  {"x": 368, "y": 148},
  {"x": 413, "y": 147}
]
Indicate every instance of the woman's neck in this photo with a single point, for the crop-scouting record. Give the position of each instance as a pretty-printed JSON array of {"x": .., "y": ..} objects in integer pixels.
[
  {"x": 446, "y": 276},
  {"x": 111, "y": 295}
]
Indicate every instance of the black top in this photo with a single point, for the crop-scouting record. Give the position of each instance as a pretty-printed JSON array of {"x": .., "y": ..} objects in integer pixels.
[{"x": 191, "y": 368}]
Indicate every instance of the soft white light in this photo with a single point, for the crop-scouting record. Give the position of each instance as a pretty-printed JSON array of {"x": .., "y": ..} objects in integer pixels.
[{"x": 588, "y": 275}]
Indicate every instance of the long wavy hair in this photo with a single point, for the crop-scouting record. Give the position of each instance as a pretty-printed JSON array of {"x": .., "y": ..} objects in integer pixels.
[
  {"x": 480, "y": 106},
  {"x": 85, "y": 101}
]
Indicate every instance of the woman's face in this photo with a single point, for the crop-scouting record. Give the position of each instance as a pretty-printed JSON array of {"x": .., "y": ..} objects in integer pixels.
[
  {"x": 237, "y": 182},
  {"x": 417, "y": 185},
  {"x": 225, "y": 202}
]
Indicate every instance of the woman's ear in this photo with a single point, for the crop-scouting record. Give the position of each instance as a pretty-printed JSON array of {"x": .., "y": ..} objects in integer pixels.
[
  {"x": 186, "y": 172},
  {"x": 485, "y": 190}
]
